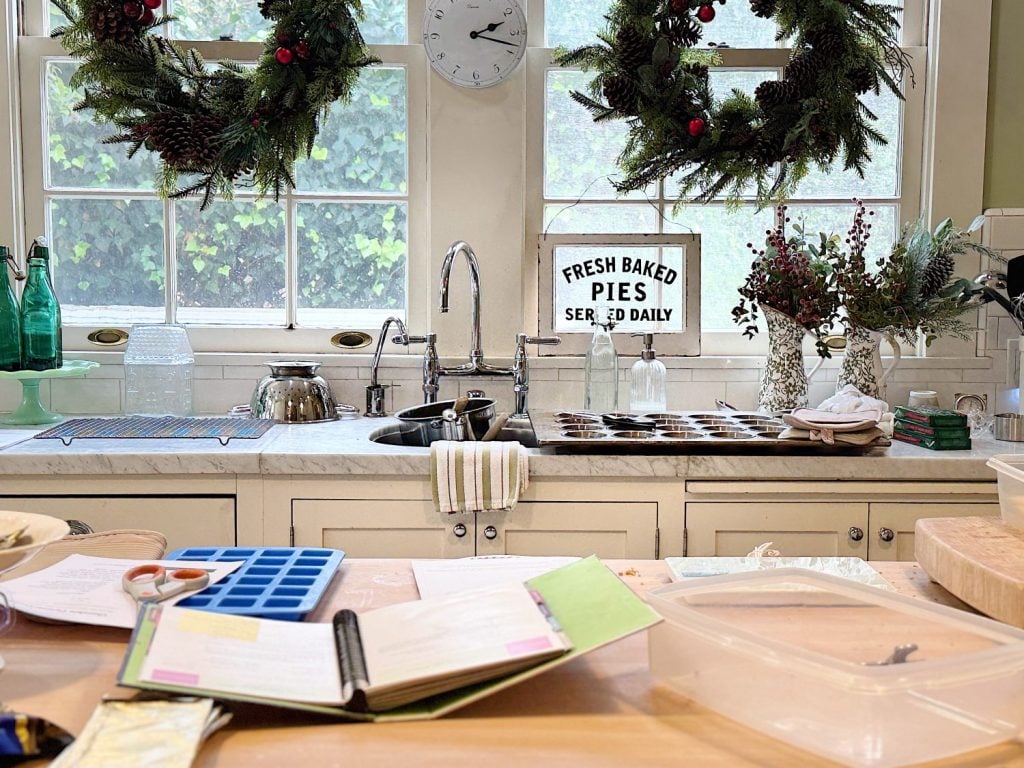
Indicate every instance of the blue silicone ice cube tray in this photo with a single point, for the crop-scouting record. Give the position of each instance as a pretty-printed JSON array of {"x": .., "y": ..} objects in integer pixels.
[{"x": 282, "y": 583}]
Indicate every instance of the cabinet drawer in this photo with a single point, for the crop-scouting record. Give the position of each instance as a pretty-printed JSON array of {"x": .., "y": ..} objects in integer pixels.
[
  {"x": 381, "y": 528},
  {"x": 895, "y": 521},
  {"x": 733, "y": 529},
  {"x": 186, "y": 522},
  {"x": 615, "y": 530}
]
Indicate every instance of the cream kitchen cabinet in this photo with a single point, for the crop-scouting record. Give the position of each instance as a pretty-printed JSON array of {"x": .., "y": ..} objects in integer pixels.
[
  {"x": 188, "y": 510},
  {"x": 874, "y": 521},
  {"x": 389, "y": 518}
]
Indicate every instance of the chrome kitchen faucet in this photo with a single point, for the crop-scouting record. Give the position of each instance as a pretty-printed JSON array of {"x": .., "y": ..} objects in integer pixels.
[{"x": 475, "y": 366}]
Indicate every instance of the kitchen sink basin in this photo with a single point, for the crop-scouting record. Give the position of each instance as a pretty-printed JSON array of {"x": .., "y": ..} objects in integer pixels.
[{"x": 398, "y": 434}]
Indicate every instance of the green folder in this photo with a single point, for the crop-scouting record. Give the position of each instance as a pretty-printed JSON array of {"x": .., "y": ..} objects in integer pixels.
[{"x": 592, "y": 605}]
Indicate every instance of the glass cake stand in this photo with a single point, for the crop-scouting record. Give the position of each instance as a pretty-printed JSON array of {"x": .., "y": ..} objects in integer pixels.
[{"x": 31, "y": 411}]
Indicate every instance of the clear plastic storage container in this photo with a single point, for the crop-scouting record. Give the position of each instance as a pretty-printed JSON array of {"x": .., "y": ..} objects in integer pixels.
[
  {"x": 158, "y": 365},
  {"x": 813, "y": 660},
  {"x": 1010, "y": 471}
]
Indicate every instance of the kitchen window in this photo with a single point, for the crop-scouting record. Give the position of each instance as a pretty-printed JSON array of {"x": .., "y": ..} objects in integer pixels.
[
  {"x": 572, "y": 162},
  {"x": 332, "y": 253}
]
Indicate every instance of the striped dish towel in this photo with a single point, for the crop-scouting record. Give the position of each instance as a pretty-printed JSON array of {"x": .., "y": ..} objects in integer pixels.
[{"x": 475, "y": 477}]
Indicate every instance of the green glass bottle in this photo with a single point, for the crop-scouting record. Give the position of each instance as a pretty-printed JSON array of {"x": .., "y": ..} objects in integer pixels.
[
  {"x": 10, "y": 316},
  {"x": 41, "y": 344}
]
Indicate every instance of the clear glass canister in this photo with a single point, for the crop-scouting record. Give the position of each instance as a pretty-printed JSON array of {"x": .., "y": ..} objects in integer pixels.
[{"x": 158, "y": 364}]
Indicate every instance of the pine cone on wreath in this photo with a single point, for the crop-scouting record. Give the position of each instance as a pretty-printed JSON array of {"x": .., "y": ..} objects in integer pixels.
[
  {"x": 763, "y": 8},
  {"x": 622, "y": 94},
  {"x": 697, "y": 70},
  {"x": 936, "y": 274},
  {"x": 633, "y": 47},
  {"x": 863, "y": 79},
  {"x": 802, "y": 70},
  {"x": 772, "y": 93},
  {"x": 827, "y": 42},
  {"x": 680, "y": 30},
  {"x": 111, "y": 25},
  {"x": 206, "y": 140},
  {"x": 183, "y": 142}
]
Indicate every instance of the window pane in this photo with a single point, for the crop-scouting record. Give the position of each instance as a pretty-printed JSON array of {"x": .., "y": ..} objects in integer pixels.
[
  {"x": 241, "y": 20},
  {"x": 600, "y": 219},
  {"x": 579, "y": 154},
  {"x": 108, "y": 259},
  {"x": 838, "y": 218},
  {"x": 723, "y": 81},
  {"x": 77, "y": 158},
  {"x": 724, "y": 256},
  {"x": 202, "y": 20},
  {"x": 352, "y": 257},
  {"x": 736, "y": 25},
  {"x": 231, "y": 262},
  {"x": 361, "y": 148},
  {"x": 573, "y": 23},
  {"x": 882, "y": 176}
]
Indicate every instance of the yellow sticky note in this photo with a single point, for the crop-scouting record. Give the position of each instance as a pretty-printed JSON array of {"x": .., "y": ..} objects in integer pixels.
[{"x": 219, "y": 625}]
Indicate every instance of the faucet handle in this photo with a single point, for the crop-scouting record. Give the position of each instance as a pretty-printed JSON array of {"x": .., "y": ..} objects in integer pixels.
[
  {"x": 522, "y": 339},
  {"x": 405, "y": 339}
]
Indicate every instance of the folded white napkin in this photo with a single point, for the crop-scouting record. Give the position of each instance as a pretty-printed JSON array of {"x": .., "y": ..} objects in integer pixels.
[
  {"x": 850, "y": 399},
  {"x": 476, "y": 476}
]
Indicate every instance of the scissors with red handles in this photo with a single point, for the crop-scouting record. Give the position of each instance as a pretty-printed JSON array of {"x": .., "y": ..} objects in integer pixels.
[{"x": 153, "y": 583}]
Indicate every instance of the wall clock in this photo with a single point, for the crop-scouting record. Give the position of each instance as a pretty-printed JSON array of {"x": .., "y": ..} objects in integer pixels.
[{"x": 474, "y": 43}]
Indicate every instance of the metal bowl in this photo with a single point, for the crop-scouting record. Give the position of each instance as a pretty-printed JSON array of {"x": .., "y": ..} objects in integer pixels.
[{"x": 293, "y": 393}]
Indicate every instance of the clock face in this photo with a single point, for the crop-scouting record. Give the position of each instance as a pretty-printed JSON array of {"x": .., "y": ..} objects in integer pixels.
[{"x": 476, "y": 43}]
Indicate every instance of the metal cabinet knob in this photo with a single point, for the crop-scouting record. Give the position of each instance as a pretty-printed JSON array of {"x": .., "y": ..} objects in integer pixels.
[
  {"x": 490, "y": 532},
  {"x": 856, "y": 534},
  {"x": 459, "y": 530},
  {"x": 886, "y": 534}
]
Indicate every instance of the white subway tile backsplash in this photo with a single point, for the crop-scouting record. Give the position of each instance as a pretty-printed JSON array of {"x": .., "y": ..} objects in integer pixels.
[
  {"x": 726, "y": 374},
  {"x": 93, "y": 396}
]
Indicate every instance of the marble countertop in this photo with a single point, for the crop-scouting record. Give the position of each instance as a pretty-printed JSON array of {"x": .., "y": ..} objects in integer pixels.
[{"x": 344, "y": 448}]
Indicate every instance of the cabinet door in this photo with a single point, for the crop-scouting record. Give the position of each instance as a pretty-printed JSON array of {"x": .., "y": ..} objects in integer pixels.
[
  {"x": 891, "y": 535},
  {"x": 796, "y": 529},
  {"x": 186, "y": 522},
  {"x": 381, "y": 528},
  {"x": 606, "y": 529}
]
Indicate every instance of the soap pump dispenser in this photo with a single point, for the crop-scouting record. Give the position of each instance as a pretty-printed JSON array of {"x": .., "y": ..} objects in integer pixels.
[{"x": 647, "y": 380}]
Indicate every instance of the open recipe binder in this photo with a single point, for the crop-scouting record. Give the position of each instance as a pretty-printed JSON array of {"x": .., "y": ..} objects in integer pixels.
[{"x": 415, "y": 660}]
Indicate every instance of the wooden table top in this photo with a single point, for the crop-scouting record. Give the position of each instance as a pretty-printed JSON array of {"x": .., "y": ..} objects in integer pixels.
[{"x": 603, "y": 709}]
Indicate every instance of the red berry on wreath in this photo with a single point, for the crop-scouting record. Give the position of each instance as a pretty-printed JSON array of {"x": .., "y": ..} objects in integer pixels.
[
  {"x": 147, "y": 17},
  {"x": 283, "y": 56},
  {"x": 695, "y": 127},
  {"x": 706, "y": 13},
  {"x": 152, "y": 4},
  {"x": 255, "y": 122},
  {"x": 679, "y": 6},
  {"x": 302, "y": 49},
  {"x": 132, "y": 10}
]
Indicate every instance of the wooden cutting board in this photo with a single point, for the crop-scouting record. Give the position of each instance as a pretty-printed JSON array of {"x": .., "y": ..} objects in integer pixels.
[{"x": 978, "y": 559}]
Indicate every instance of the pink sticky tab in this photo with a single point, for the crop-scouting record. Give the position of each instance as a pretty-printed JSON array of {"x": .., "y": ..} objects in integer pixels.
[
  {"x": 526, "y": 646},
  {"x": 171, "y": 676}
]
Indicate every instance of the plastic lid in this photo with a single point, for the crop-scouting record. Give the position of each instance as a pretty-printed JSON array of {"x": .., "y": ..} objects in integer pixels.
[
  {"x": 158, "y": 344},
  {"x": 809, "y": 617}
]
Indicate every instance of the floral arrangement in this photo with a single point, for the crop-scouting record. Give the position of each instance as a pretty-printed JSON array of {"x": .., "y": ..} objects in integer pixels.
[
  {"x": 792, "y": 276},
  {"x": 912, "y": 290}
]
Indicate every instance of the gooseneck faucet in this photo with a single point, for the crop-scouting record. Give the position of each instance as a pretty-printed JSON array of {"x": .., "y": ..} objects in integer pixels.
[
  {"x": 375, "y": 392},
  {"x": 476, "y": 365}
]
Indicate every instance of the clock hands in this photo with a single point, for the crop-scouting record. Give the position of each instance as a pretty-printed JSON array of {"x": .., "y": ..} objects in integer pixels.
[
  {"x": 476, "y": 35},
  {"x": 488, "y": 28}
]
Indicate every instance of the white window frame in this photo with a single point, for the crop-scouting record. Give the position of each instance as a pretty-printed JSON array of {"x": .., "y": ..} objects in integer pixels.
[
  {"x": 908, "y": 202},
  {"x": 34, "y": 53}
]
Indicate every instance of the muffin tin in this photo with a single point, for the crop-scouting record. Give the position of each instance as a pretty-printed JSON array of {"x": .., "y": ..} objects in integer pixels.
[{"x": 674, "y": 432}]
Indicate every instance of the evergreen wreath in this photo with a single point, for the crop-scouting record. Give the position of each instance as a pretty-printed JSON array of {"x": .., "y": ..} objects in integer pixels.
[
  {"x": 213, "y": 128},
  {"x": 650, "y": 74}
]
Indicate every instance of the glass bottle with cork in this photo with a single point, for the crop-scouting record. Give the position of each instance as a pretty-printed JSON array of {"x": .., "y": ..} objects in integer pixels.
[
  {"x": 10, "y": 314},
  {"x": 41, "y": 342},
  {"x": 601, "y": 366}
]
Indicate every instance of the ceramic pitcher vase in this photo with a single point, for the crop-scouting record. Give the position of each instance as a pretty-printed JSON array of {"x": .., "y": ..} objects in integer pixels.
[
  {"x": 784, "y": 384},
  {"x": 862, "y": 361}
]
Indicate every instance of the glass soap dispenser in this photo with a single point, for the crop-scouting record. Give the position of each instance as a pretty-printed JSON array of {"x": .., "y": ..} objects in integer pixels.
[
  {"x": 647, "y": 380},
  {"x": 601, "y": 392}
]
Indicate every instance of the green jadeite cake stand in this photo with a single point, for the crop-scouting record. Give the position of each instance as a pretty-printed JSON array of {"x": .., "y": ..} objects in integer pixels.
[{"x": 31, "y": 411}]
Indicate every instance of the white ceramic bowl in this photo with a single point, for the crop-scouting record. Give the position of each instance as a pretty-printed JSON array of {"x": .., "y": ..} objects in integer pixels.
[{"x": 42, "y": 529}]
